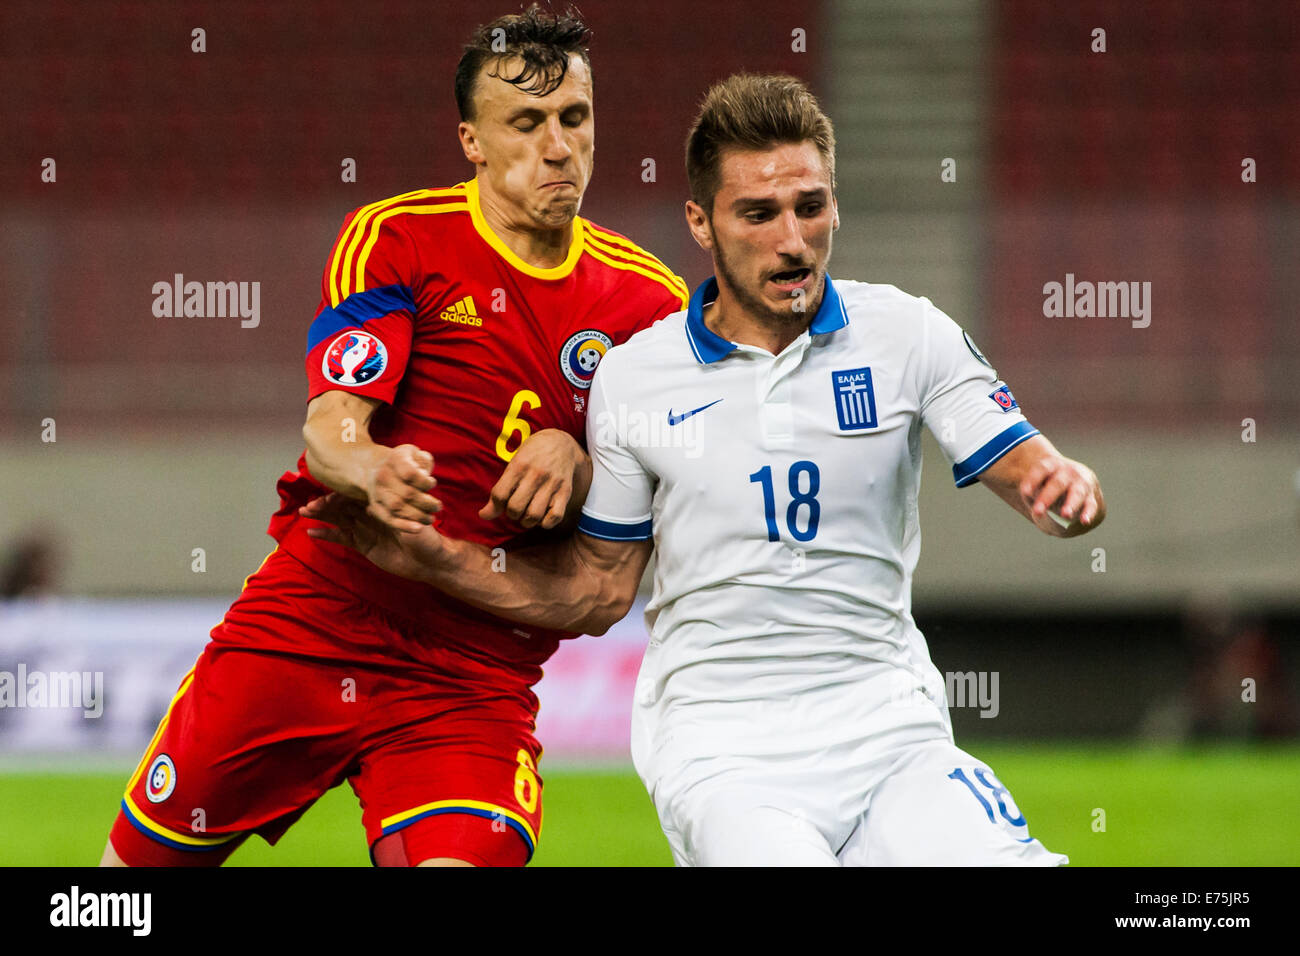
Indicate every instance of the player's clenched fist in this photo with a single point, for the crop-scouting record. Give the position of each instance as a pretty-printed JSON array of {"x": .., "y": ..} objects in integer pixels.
[
  {"x": 1069, "y": 488},
  {"x": 397, "y": 487}
]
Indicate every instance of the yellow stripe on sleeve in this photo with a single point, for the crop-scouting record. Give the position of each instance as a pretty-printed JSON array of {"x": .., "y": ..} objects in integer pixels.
[
  {"x": 377, "y": 222},
  {"x": 628, "y": 249},
  {"x": 341, "y": 244},
  {"x": 659, "y": 277},
  {"x": 346, "y": 249}
]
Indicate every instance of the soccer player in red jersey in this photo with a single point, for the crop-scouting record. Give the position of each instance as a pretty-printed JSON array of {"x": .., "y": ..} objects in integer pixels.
[{"x": 457, "y": 336}]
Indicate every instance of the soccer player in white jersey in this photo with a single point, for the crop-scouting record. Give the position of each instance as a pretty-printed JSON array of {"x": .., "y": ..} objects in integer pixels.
[{"x": 766, "y": 443}]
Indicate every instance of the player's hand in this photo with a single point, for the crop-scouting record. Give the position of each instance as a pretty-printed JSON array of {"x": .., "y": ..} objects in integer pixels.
[
  {"x": 538, "y": 484},
  {"x": 396, "y": 489},
  {"x": 1070, "y": 489},
  {"x": 407, "y": 554}
]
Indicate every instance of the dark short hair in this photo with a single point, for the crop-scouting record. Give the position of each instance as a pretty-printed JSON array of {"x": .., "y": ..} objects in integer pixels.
[
  {"x": 752, "y": 111},
  {"x": 544, "y": 41}
]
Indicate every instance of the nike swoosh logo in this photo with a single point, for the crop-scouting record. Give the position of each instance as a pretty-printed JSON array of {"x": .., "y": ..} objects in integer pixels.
[{"x": 678, "y": 419}]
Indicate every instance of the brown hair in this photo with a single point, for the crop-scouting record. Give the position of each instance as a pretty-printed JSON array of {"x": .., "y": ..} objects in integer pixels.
[
  {"x": 752, "y": 111},
  {"x": 543, "y": 41}
]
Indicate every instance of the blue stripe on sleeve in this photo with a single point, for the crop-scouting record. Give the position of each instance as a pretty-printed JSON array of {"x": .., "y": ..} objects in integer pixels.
[
  {"x": 614, "y": 531},
  {"x": 354, "y": 311},
  {"x": 966, "y": 472}
]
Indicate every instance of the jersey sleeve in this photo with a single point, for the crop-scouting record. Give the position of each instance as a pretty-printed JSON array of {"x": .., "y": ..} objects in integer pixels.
[
  {"x": 649, "y": 289},
  {"x": 618, "y": 505},
  {"x": 673, "y": 298},
  {"x": 969, "y": 410},
  {"x": 360, "y": 339},
  {"x": 651, "y": 301}
]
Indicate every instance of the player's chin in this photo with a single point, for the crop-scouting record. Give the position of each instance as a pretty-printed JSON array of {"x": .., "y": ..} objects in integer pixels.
[
  {"x": 559, "y": 204},
  {"x": 784, "y": 304},
  {"x": 557, "y": 215}
]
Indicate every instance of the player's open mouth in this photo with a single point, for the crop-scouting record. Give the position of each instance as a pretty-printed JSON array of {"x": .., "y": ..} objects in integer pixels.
[{"x": 790, "y": 279}]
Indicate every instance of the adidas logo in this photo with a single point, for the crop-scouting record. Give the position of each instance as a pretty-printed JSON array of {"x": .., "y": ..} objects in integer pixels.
[{"x": 463, "y": 312}]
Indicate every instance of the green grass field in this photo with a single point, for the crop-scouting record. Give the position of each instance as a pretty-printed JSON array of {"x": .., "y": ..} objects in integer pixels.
[{"x": 1206, "y": 807}]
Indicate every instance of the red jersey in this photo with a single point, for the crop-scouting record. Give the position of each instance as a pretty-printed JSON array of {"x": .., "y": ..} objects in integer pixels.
[{"x": 472, "y": 349}]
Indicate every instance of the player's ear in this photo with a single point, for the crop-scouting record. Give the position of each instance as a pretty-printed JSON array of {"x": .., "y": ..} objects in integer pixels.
[
  {"x": 835, "y": 209},
  {"x": 469, "y": 143},
  {"x": 700, "y": 226}
]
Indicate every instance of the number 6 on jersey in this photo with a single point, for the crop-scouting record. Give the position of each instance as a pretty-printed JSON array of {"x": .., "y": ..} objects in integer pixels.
[{"x": 513, "y": 424}]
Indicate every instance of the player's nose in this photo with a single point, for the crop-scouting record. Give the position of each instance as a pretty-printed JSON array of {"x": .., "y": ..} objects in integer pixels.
[
  {"x": 555, "y": 148},
  {"x": 790, "y": 238}
]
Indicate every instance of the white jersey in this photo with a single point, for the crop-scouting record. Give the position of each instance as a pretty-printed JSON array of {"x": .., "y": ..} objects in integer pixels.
[{"x": 781, "y": 495}]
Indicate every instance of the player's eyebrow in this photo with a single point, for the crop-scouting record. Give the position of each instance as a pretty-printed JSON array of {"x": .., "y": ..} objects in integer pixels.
[
  {"x": 577, "y": 106},
  {"x": 528, "y": 113},
  {"x": 749, "y": 202},
  {"x": 538, "y": 115}
]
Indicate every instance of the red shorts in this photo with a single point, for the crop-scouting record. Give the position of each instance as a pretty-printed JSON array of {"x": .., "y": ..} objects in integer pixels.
[{"x": 253, "y": 738}]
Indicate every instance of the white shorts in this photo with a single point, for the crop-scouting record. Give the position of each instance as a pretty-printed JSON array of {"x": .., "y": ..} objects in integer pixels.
[{"x": 924, "y": 804}]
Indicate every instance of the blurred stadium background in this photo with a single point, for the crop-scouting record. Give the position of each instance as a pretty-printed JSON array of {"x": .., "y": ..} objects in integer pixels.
[{"x": 1120, "y": 690}]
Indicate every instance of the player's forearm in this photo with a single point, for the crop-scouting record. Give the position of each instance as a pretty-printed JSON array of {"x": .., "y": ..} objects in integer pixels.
[
  {"x": 1035, "y": 479},
  {"x": 341, "y": 455},
  {"x": 581, "y": 485},
  {"x": 547, "y": 585}
]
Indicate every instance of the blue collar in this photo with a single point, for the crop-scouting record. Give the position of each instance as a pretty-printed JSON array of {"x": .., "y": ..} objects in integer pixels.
[{"x": 709, "y": 347}]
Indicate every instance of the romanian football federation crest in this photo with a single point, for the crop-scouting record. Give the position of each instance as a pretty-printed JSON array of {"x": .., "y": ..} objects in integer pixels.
[
  {"x": 855, "y": 400},
  {"x": 354, "y": 358},
  {"x": 581, "y": 354},
  {"x": 160, "y": 783}
]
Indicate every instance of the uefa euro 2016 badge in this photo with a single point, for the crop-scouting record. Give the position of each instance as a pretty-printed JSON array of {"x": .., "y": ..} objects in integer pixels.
[
  {"x": 354, "y": 358},
  {"x": 160, "y": 783},
  {"x": 581, "y": 354}
]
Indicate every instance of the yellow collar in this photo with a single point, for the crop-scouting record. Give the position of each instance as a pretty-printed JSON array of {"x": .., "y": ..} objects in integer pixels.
[{"x": 493, "y": 240}]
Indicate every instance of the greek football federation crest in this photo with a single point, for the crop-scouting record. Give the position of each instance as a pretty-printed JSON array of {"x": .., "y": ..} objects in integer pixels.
[
  {"x": 581, "y": 354},
  {"x": 855, "y": 401},
  {"x": 354, "y": 358},
  {"x": 160, "y": 783}
]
